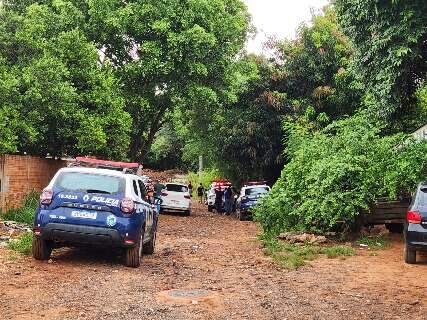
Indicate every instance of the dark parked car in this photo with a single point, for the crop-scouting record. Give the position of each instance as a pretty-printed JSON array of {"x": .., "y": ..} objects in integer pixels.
[{"x": 416, "y": 225}]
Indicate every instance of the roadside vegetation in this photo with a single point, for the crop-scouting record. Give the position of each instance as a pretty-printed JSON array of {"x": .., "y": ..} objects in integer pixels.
[
  {"x": 22, "y": 244},
  {"x": 24, "y": 214},
  {"x": 337, "y": 163},
  {"x": 291, "y": 256},
  {"x": 374, "y": 242}
]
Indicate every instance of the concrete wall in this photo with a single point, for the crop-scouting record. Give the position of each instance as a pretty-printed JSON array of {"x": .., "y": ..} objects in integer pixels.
[{"x": 21, "y": 174}]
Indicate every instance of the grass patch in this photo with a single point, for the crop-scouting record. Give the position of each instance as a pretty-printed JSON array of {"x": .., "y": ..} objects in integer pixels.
[
  {"x": 374, "y": 242},
  {"x": 25, "y": 214},
  {"x": 292, "y": 256},
  {"x": 22, "y": 244},
  {"x": 339, "y": 251}
]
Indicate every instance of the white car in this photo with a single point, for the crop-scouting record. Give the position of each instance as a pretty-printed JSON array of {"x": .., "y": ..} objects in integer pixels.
[{"x": 176, "y": 198}]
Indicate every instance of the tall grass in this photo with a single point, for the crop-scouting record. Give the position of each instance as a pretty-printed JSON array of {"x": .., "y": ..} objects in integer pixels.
[
  {"x": 25, "y": 214},
  {"x": 23, "y": 244}
]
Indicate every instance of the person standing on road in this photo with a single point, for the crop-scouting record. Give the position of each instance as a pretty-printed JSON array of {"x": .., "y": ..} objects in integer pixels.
[
  {"x": 228, "y": 195},
  {"x": 190, "y": 189},
  {"x": 200, "y": 192},
  {"x": 158, "y": 188},
  {"x": 218, "y": 199}
]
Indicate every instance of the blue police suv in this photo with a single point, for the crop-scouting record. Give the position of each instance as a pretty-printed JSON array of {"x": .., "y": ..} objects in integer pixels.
[
  {"x": 415, "y": 231},
  {"x": 248, "y": 199},
  {"x": 97, "y": 207}
]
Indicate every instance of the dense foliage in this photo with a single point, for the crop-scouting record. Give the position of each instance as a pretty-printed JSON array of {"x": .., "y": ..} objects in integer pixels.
[
  {"x": 101, "y": 77},
  {"x": 54, "y": 96},
  {"x": 390, "y": 39},
  {"x": 337, "y": 171},
  {"x": 314, "y": 70},
  {"x": 311, "y": 74}
]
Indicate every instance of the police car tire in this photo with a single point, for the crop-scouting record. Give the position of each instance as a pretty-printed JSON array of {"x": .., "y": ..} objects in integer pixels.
[
  {"x": 410, "y": 255},
  {"x": 150, "y": 246},
  {"x": 41, "y": 249},
  {"x": 240, "y": 215},
  {"x": 132, "y": 255}
]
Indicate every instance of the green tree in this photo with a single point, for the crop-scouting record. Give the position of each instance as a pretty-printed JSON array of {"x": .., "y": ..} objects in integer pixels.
[
  {"x": 315, "y": 69},
  {"x": 389, "y": 38},
  {"x": 65, "y": 102},
  {"x": 309, "y": 77},
  {"x": 168, "y": 54}
]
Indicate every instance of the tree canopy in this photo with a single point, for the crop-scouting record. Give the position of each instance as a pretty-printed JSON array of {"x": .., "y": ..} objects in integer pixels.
[
  {"x": 390, "y": 39},
  {"x": 60, "y": 100},
  {"x": 101, "y": 77}
]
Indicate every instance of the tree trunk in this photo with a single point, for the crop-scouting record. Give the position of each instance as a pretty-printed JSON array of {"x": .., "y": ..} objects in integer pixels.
[{"x": 156, "y": 124}]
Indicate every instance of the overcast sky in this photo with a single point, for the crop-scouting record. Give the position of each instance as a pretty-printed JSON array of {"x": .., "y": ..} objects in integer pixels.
[{"x": 279, "y": 18}]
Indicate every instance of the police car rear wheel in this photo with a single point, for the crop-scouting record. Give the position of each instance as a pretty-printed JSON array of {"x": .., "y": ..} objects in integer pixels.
[
  {"x": 134, "y": 255},
  {"x": 41, "y": 249},
  {"x": 150, "y": 246}
]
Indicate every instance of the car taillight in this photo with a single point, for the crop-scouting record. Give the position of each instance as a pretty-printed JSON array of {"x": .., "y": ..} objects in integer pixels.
[
  {"x": 187, "y": 196},
  {"x": 413, "y": 217},
  {"x": 46, "y": 197},
  {"x": 127, "y": 205},
  {"x": 37, "y": 231},
  {"x": 164, "y": 193}
]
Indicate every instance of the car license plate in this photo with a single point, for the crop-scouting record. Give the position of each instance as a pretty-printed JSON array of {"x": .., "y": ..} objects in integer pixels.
[
  {"x": 84, "y": 214},
  {"x": 175, "y": 201}
]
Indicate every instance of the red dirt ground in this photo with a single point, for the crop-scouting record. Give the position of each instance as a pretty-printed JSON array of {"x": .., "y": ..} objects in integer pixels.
[{"x": 219, "y": 254}]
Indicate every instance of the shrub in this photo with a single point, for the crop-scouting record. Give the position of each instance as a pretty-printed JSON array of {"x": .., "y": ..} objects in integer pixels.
[
  {"x": 335, "y": 172},
  {"x": 23, "y": 244},
  {"x": 25, "y": 214},
  {"x": 339, "y": 251}
]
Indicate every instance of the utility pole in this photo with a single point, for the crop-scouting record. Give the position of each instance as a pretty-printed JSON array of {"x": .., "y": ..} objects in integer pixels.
[{"x": 200, "y": 166}]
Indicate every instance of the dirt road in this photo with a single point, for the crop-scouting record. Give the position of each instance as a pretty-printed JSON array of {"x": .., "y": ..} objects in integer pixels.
[{"x": 221, "y": 258}]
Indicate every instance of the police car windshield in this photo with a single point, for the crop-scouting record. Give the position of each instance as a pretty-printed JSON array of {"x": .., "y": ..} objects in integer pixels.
[
  {"x": 90, "y": 183},
  {"x": 256, "y": 190}
]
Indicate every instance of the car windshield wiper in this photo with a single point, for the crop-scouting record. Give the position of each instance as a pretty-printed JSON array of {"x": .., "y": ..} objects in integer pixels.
[{"x": 97, "y": 191}]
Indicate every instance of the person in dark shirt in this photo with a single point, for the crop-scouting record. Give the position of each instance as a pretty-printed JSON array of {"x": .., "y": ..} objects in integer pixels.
[
  {"x": 200, "y": 192},
  {"x": 190, "y": 189},
  {"x": 228, "y": 195},
  {"x": 158, "y": 187},
  {"x": 219, "y": 193}
]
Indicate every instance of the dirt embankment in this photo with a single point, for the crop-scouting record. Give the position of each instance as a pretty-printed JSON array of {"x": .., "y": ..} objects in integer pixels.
[{"x": 221, "y": 259}]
